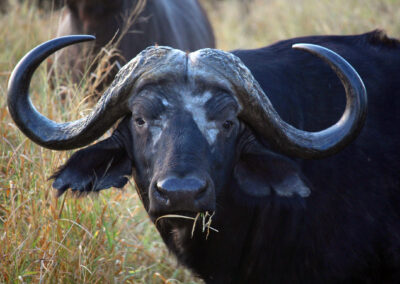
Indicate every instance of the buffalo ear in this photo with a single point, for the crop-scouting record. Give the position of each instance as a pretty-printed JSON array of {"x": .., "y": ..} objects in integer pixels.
[
  {"x": 260, "y": 172},
  {"x": 99, "y": 166}
]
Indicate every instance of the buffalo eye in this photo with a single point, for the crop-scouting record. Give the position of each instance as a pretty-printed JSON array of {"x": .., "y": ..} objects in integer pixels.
[
  {"x": 140, "y": 121},
  {"x": 227, "y": 124}
]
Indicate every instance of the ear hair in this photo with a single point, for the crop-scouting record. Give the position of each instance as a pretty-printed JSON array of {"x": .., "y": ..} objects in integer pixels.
[
  {"x": 99, "y": 166},
  {"x": 261, "y": 172}
]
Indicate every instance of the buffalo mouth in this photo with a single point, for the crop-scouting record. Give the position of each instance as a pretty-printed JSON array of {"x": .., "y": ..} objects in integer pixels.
[{"x": 201, "y": 221}]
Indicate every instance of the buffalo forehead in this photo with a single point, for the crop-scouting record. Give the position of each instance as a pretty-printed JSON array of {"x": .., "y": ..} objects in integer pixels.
[
  {"x": 194, "y": 80},
  {"x": 195, "y": 105}
]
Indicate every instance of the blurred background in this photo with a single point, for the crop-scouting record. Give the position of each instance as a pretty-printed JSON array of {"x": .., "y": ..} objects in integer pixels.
[
  {"x": 256, "y": 23},
  {"x": 107, "y": 238}
]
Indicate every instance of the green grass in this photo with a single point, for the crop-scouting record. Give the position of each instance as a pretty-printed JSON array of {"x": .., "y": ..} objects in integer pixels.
[{"x": 108, "y": 238}]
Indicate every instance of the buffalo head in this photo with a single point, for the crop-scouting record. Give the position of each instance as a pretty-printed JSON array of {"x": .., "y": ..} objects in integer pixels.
[{"x": 191, "y": 123}]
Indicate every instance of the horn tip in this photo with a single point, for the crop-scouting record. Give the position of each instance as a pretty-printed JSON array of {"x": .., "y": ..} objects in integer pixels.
[
  {"x": 80, "y": 37},
  {"x": 302, "y": 46}
]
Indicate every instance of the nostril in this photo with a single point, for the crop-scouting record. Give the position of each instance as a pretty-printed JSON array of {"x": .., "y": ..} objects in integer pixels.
[
  {"x": 188, "y": 194},
  {"x": 202, "y": 187}
]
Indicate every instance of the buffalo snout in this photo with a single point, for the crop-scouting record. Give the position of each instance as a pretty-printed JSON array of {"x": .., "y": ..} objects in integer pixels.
[{"x": 174, "y": 194}]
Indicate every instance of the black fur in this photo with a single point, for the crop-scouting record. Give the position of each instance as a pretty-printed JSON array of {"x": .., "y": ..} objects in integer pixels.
[{"x": 346, "y": 231}]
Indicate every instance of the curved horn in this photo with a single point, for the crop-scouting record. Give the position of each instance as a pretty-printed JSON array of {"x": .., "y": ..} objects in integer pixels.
[
  {"x": 333, "y": 139},
  {"x": 313, "y": 145},
  {"x": 259, "y": 113},
  {"x": 45, "y": 132}
]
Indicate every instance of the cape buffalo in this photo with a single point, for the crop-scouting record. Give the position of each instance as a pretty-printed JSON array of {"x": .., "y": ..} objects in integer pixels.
[
  {"x": 181, "y": 24},
  {"x": 203, "y": 140}
]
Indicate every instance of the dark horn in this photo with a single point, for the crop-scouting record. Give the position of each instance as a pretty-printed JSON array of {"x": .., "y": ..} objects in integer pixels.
[
  {"x": 313, "y": 145},
  {"x": 43, "y": 131}
]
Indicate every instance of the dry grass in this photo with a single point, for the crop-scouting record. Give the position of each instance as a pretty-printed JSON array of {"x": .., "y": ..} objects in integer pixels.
[
  {"x": 272, "y": 20},
  {"x": 108, "y": 238},
  {"x": 204, "y": 218}
]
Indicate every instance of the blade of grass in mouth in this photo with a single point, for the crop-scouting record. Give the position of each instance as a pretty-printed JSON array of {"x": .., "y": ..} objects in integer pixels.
[{"x": 206, "y": 225}]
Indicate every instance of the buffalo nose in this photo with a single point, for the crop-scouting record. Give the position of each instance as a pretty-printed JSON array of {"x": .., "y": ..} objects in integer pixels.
[
  {"x": 182, "y": 192},
  {"x": 189, "y": 187}
]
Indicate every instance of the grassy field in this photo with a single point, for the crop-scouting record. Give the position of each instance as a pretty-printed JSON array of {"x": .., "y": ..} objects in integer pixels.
[{"x": 107, "y": 238}]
